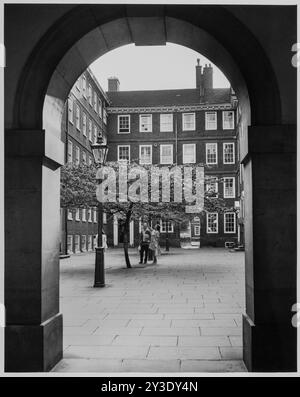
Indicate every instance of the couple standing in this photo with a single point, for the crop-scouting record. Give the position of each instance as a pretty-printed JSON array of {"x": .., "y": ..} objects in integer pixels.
[{"x": 149, "y": 239}]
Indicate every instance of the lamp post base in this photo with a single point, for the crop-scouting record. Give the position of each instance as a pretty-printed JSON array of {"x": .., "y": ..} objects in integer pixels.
[{"x": 99, "y": 268}]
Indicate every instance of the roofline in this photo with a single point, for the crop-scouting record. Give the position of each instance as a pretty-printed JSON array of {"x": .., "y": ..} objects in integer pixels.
[{"x": 88, "y": 70}]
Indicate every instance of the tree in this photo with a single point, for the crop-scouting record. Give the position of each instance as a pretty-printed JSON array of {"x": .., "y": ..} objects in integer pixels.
[{"x": 78, "y": 190}]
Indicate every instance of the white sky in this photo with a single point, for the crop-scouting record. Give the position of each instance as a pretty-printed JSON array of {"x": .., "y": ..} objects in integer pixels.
[{"x": 153, "y": 67}]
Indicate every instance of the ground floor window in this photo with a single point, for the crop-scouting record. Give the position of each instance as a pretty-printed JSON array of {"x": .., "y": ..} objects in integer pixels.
[
  {"x": 83, "y": 242},
  {"x": 70, "y": 243},
  {"x": 229, "y": 222},
  {"x": 212, "y": 222},
  {"x": 77, "y": 242},
  {"x": 90, "y": 244},
  {"x": 166, "y": 226}
]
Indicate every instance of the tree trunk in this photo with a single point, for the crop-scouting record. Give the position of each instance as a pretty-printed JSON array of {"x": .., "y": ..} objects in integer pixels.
[{"x": 125, "y": 246}]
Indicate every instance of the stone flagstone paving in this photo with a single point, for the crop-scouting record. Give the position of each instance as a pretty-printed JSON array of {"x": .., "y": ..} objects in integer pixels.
[{"x": 182, "y": 315}]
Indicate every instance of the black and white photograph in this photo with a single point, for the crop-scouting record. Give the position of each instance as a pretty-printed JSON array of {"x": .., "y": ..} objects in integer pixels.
[{"x": 149, "y": 191}]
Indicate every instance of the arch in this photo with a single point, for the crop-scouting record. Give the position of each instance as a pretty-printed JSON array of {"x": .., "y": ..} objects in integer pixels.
[{"x": 64, "y": 53}]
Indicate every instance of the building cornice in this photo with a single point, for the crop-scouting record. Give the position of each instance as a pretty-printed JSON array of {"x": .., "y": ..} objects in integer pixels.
[{"x": 168, "y": 109}]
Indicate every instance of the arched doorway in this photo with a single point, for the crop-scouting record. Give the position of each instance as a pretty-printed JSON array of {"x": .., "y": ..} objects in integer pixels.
[{"x": 77, "y": 35}]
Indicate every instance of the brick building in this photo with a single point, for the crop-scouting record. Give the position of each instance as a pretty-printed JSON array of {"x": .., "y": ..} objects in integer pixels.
[
  {"x": 84, "y": 118},
  {"x": 180, "y": 126}
]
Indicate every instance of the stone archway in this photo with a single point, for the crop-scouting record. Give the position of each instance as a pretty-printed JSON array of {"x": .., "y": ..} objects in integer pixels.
[{"x": 35, "y": 94}]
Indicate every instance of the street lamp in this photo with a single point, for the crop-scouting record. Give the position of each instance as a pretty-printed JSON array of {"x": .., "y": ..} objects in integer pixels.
[{"x": 99, "y": 151}]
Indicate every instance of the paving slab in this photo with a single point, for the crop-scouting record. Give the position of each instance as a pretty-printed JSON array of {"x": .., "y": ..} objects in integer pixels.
[{"x": 182, "y": 315}]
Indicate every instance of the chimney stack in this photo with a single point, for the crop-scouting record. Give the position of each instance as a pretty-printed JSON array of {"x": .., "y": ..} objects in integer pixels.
[
  {"x": 198, "y": 74},
  {"x": 113, "y": 84},
  {"x": 207, "y": 77}
]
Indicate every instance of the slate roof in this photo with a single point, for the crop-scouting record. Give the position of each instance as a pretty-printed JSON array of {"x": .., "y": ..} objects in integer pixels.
[{"x": 168, "y": 97}]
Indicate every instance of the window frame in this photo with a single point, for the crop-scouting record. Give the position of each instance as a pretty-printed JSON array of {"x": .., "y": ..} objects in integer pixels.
[
  {"x": 118, "y": 153},
  {"x": 161, "y": 124},
  {"x": 171, "y": 155},
  {"x": 183, "y": 160},
  {"x": 234, "y": 224},
  {"x": 223, "y": 119},
  {"x": 217, "y": 222},
  {"x": 183, "y": 121},
  {"x": 233, "y": 187},
  {"x": 233, "y": 152},
  {"x": 77, "y": 155},
  {"x": 84, "y": 119},
  {"x": 119, "y": 117},
  {"x": 206, "y": 121},
  {"x": 77, "y": 117},
  {"x": 70, "y": 236},
  {"x": 168, "y": 223},
  {"x": 206, "y": 152},
  {"x": 140, "y": 122},
  {"x": 140, "y": 151},
  {"x": 70, "y": 152},
  {"x": 71, "y": 111}
]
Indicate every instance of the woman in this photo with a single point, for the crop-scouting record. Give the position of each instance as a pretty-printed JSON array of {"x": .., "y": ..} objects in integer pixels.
[{"x": 154, "y": 243}]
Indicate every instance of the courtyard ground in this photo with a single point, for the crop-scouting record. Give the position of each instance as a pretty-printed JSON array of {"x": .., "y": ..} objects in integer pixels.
[{"x": 182, "y": 315}]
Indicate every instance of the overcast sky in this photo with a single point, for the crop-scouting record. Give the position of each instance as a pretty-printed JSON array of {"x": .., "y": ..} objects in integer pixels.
[{"x": 152, "y": 67}]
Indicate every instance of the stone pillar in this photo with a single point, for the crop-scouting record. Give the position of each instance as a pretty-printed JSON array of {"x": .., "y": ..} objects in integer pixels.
[
  {"x": 269, "y": 339},
  {"x": 33, "y": 333}
]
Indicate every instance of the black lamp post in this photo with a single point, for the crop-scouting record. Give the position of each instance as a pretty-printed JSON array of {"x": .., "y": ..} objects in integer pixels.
[{"x": 99, "y": 151}]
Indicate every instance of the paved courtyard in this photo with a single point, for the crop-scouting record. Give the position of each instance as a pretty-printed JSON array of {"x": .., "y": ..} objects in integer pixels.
[{"x": 182, "y": 315}]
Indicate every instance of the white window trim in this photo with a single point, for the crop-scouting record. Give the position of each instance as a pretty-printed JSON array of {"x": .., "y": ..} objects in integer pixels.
[
  {"x": 90, "y": 242},
  {"x": 89, "y": 217},
  {"x": 140, "y": 123},
  {"x": 84, "y": 86},
  {"x": 206, "y": 122},
  {"x": 119, "y": 116},
  {"x": 233, "y": 153},
  {"x": 160, "y": 122},
  {"x": 77, "y": 119},
  {"x": 119, "y": 146},
  {"x": 70, "y": 236},
  {"x": 83, "y": 249},
  {"x": 194, "y": 126},
  {"x": 206, "y": 152},
  {"x": 198, "y": 228},
  {"x": 140, "y": 152},
  {"x": 225, "y": 223},
  {"x": 160, "y": 153},
  {"x": 83, "y": 214},
  {"x": 207, "y": 216},
  {"x": 75, "y": 238},
  {"x": 90, "y": 93},
  {"x": 189, "y": 162},
  {"x": 77, "y": 215},
  {"x": 233, "y": 189},
  {"x": 216, "y": 184},
  {"x": 84, "y": 122},
  {"x": 223, "y": 113},
  {"x": 70, "y": 215},
  {"x": 165, "y": 231},
  {"x": 70, "y": 147},
  {"x": 95, "y": 216},
  {"x": 71, "y": 111},
  {"x": 77, "y": 158},
  {"x": 95, "y": 100},
  {"x": 90, "y": 130}
]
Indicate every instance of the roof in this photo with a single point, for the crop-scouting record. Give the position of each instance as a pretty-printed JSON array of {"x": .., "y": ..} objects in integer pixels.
[{"x": 168, "y": 97}]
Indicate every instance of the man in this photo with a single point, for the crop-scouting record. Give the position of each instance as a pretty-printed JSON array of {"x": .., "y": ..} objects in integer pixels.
[{"x": 145, "y": 238}]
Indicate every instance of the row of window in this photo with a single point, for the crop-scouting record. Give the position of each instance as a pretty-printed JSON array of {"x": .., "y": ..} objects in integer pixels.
[
  {"x": 212, "y": 222},
  {"x": 166, "y": 122},
  {"x": 91, "y": 96},
  {"x": 82, "y": 121},
  {"x": 87, "y": 215},
  {"x": 188, "y": 153},
  {"x": 81, "y": 243},
  {"x": 81, "y": 156}
]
